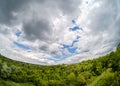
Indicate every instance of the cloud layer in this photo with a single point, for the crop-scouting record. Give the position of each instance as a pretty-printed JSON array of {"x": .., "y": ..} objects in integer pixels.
[{"x": 50, "y": 32}]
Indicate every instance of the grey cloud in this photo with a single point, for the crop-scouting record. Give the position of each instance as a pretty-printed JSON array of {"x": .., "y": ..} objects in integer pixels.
[
  {"x": 106, "y": 19},
  {"x": 8, "y": 6},
  {"x": 68, "y": 6},
  {"x": 6, "y": 9},
  {"x": 40, "y": 26},
  {"x": 44, "y": 48},
  {"x": 37, "y": 29},
  {"x": 4, "y": 30},
  {"x": 105, "y": 16}
]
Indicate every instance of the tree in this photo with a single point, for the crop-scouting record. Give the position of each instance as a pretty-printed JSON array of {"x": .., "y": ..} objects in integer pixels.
[
  {"x": 71, "y": 77},
  {"x": 81, "y": 80},
  {"x": 5, "y": 71}
]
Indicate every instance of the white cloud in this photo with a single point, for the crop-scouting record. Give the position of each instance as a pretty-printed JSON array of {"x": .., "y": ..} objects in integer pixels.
[{"x": 45, "y": 27}]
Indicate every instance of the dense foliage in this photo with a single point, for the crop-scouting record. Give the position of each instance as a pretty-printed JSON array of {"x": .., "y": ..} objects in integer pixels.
[{"x": 103, "y": 71}]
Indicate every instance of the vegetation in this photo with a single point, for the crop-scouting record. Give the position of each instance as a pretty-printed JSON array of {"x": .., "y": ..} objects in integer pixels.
[
  {"x": 11, "y": 83},
  {"x": 103, "y": 71}
]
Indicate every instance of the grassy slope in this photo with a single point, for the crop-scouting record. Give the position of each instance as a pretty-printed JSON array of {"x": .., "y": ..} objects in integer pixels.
[{"x": 11, "y": 83}]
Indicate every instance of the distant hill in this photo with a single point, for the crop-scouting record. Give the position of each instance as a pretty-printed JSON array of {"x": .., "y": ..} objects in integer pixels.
[{"x": 103, "y": 71}]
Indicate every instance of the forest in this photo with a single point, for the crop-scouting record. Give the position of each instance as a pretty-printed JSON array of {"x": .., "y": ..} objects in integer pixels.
[{"x": 102, "y": 71}]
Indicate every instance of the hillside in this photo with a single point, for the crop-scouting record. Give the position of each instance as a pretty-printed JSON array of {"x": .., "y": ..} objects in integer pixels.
[{"x": 103, "y": 71}]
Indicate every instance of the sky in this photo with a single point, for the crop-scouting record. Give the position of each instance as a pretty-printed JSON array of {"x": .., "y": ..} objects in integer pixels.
[{"x": 51, "y": 32}]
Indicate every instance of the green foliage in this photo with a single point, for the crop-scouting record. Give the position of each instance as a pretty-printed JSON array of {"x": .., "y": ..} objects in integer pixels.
[
  {"x": 81, "y": 80},
  {"x": 5, "y": 72},
  {"x": 11, "y": 83},
  {"x": 71, "y": 77},
  {"x": 106, "y": 79},
  {"x": 103, "y": 71}
]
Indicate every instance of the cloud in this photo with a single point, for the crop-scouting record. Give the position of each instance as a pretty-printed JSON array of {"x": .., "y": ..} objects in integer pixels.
[
  {"x": 25, "y": 47},
  {"x": 6, "y": 9},
  {"x": 63, "y": 31},
  {"x": 37, "y": 30}
]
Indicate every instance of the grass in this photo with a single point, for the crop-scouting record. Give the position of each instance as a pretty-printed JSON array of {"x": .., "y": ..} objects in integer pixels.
[{"x": 11, "y": 83}]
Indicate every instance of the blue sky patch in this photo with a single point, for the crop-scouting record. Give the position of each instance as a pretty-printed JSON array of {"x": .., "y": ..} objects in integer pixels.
[
  {"x": 65, "y": 46},
  {"x": 18, "y": 33},
  {"x": 73, "y": 42},
  {"x": 71, "y": 49},
  {"x": 73, "y": 21},
  {"x": 75, "y": 28},
  {"x": 57, "y": 58},
  {"x": 25, "y": 47}
]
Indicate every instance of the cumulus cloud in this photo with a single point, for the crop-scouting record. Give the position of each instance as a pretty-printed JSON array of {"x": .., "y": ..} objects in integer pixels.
[{"x": 51, "y": 32}]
